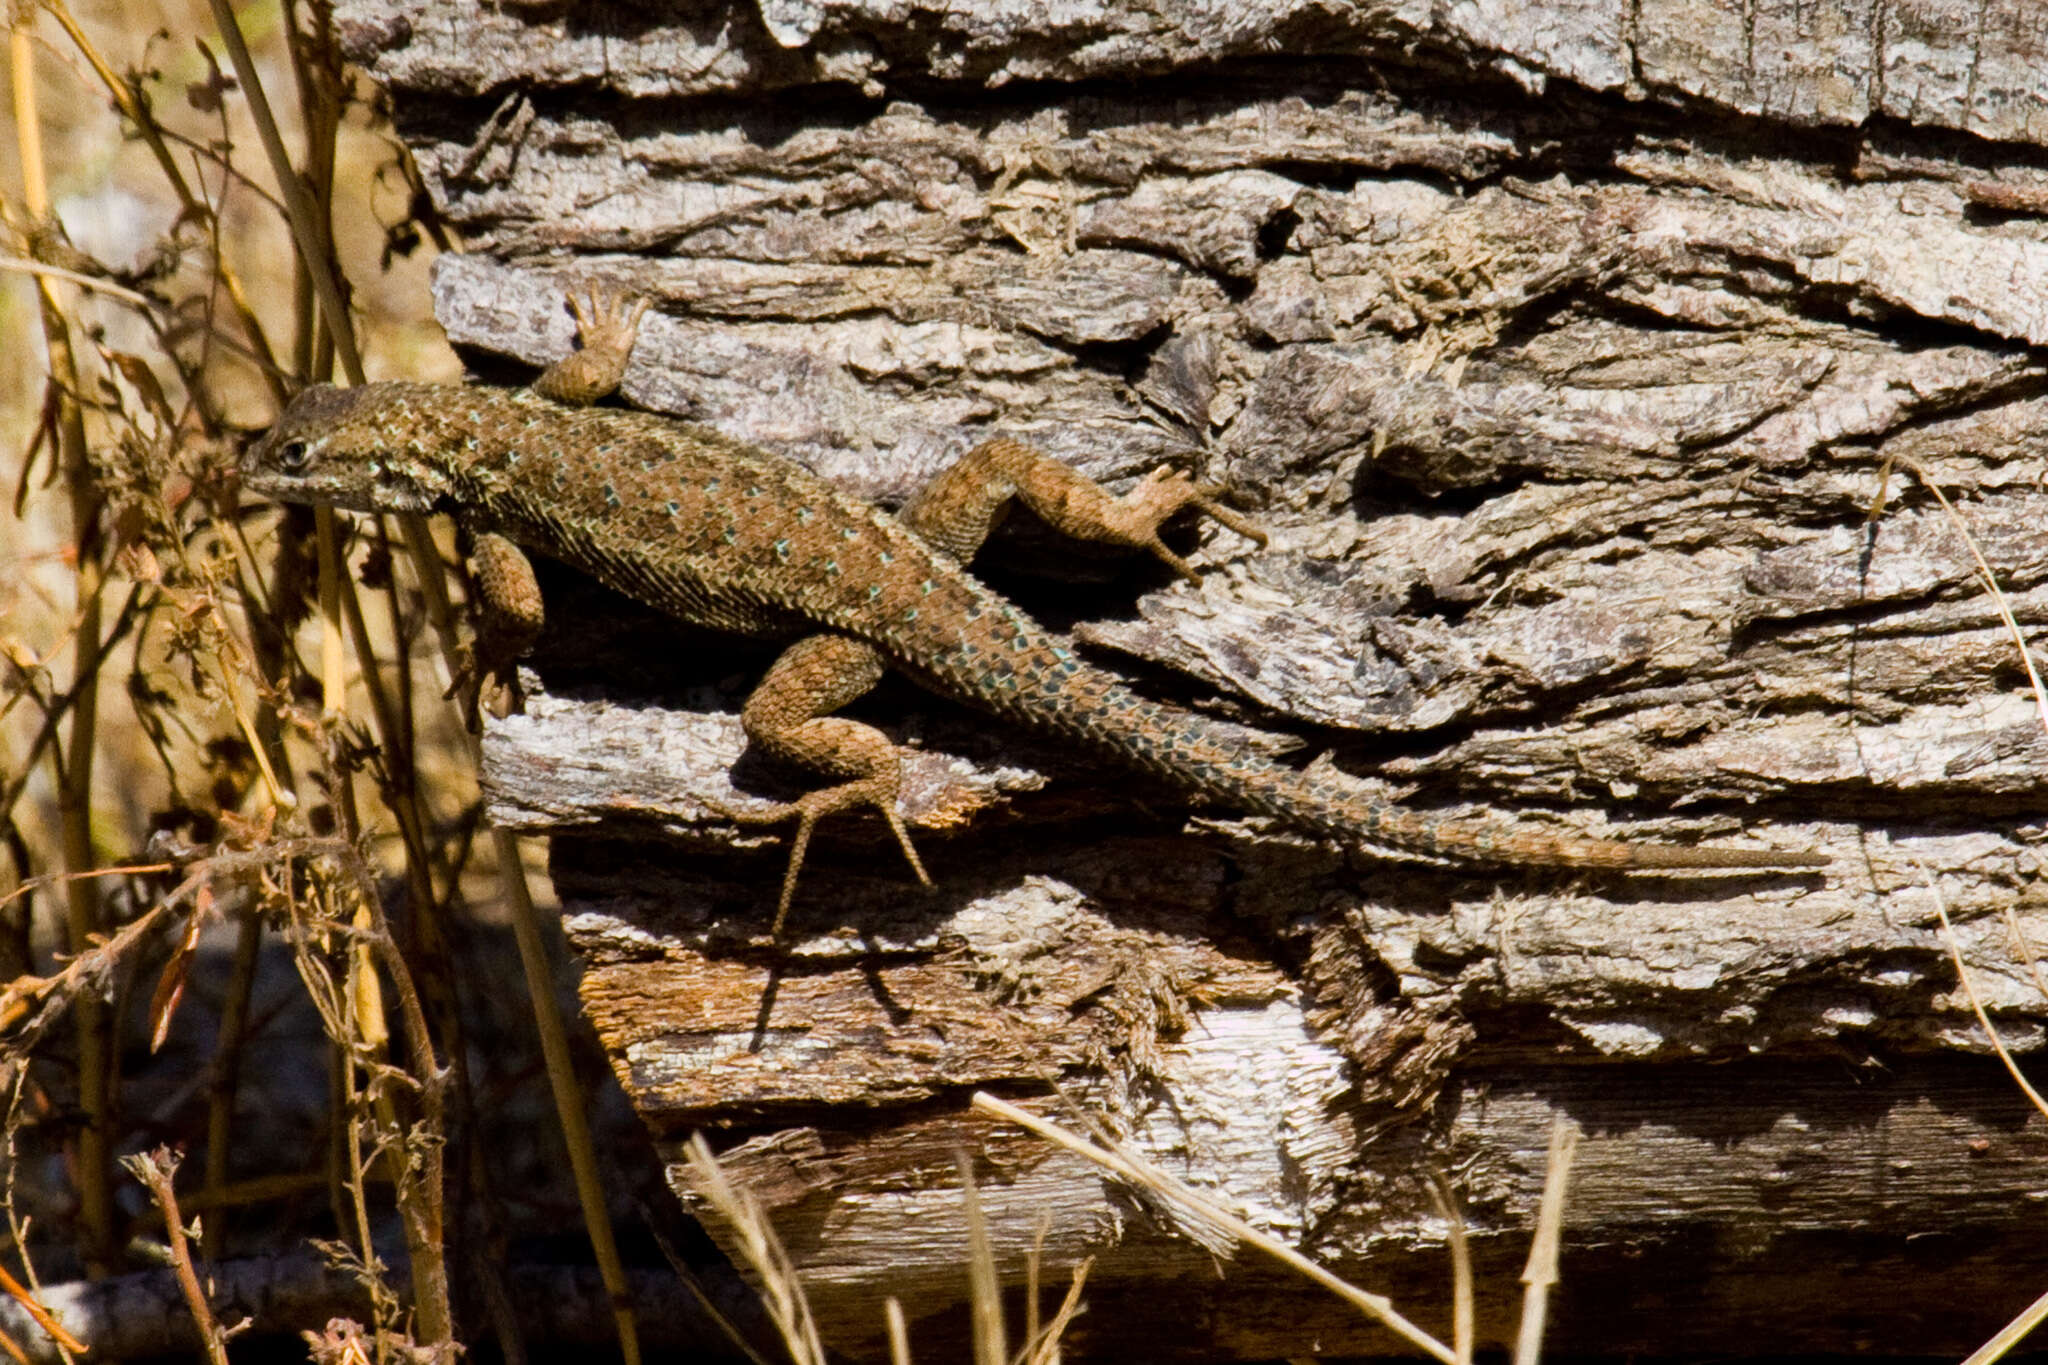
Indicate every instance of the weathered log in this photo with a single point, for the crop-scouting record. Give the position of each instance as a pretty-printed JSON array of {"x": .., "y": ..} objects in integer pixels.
[{"x": 1565, "y": 351}]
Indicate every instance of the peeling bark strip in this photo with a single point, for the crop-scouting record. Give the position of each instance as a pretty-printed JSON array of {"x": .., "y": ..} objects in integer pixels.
[{"x": 1563, "y": 347}]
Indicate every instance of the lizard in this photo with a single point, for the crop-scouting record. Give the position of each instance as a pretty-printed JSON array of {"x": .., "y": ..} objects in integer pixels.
[{"x": 718, "y": 533}]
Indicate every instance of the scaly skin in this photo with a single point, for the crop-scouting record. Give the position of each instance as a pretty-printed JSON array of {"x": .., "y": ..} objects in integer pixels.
[{"x": 721, "y": 534}]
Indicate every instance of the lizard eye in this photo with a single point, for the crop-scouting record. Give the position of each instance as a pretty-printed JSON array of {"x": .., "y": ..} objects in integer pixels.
[{"x": 294, "y": 456}]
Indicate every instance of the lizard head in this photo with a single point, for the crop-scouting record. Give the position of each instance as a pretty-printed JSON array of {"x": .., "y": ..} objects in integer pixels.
[{"x": 368, "y": 449}]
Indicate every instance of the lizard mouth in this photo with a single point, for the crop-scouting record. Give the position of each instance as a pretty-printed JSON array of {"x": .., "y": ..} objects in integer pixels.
[{"x": 327, "y": 490}]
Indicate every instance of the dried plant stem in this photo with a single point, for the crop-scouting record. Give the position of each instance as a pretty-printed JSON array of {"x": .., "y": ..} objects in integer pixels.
[
  {"x": 308, "y": 225},
  {"x": 268, "y": 652},
  {"x": 1541, "y": 1273},
  {"x": 41, "y": 1316},
  {"x": 568, "y": 1092},
  {"x": 899, "y": 1332},
  {"x": 79, "y": 977},
  {"x": 1044, "y": 1346},
  {"x": 157, "y": 1170},
  {"x": 73, "y": 761},
  {"x": 59, "y": 708},
  {"x": 1149, "y": 1177},
  {"x": 1984, "y": 573},
  {"x": 227, "y": 1057},
  {"x": 55, "y": 272},
  {"x": 1462, "y": 1312},
  {"x": 781, "y": 1290},
  {"x": 1969, "y": 985},
  {"x": 418, "y": 1163},
  {"x": 985, "y": 1291},
  {"x": 2012, "y": 1334},
  {"x": 333, "y": 661},
  {"x": 309, "y": 230},
  {"x": 193, "y": 205}
]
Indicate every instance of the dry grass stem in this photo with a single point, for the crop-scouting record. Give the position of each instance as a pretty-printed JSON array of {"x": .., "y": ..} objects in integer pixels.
[
  {"x": 310, "y": 231},
  {"x": 2012, "y": 1334},
  {"x": 72, "y": 764},
  {"x": 984, "y": 1290},
  {"x": 1984, "y": 573},
  {"x": 1205, "y": 1210},
  {"x": 1043, "y": 1346},
  {"x": 759, "y": 1247},
  {"x": 79, "y": 278},
  {"x": 1540, "y": 1276},
  {"x": 899, "y": 1332},
  {"x": 1446, "y": 1200},
  {"x": 1955, "y": 953}
]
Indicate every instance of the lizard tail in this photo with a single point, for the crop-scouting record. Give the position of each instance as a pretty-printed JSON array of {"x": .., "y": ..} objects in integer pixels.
[
  {"x": 1319, "y": 800},
  {"x": 1189, "y": 751},
  {"x": 1015, "y": 668}
]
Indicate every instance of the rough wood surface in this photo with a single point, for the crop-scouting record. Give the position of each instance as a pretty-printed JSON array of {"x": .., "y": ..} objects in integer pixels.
[{"x": 1565, "y": 350}]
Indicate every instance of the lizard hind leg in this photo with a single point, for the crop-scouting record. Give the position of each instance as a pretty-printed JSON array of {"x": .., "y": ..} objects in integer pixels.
[
  {"x": 956, "y": 509},
  {"x": 788, "y": 716}
]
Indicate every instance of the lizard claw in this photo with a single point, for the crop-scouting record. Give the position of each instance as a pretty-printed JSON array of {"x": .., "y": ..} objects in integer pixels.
[
  {"x": 807, "y": 810},
  {"x": 607, "y": 321},
  {"x": 1159, "y": 495},
  {"x": 476, "y": 677},
  {"x": 607, "y": 315}
]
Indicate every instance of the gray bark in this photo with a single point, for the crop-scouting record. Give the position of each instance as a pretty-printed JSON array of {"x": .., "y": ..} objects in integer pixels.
[{"x": 1564, "y": 349}]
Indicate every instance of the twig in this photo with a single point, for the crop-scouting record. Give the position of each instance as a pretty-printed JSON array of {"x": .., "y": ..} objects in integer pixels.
[
  {"x": 69, "y": 984},
  {"x": 14, "y": 1289},
  {"x": 156, "y": 1170}
]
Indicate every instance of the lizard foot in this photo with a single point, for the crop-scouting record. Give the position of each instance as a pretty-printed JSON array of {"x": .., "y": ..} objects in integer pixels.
[
  {"x": 607, "y": 321},
  {"x": 482, "y": 682},
  {"x": 607, "y": 316},
  {"x": 1135, "y": 518},
  {"x": 812, "y": 807}
]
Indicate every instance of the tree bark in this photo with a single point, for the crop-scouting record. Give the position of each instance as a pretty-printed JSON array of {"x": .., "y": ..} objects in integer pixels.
[{"x": 1565, "y": 351}]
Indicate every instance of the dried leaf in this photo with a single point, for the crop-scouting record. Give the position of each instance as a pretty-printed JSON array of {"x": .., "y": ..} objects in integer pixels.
[{"x": 170, "y": 986}]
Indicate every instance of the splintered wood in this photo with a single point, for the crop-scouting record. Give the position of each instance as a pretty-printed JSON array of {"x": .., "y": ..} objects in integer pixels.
[{"x": 1563, "y": 351}]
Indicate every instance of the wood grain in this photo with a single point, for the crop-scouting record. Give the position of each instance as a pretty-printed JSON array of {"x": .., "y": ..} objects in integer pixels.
[{"x": 1565, "y": 350}]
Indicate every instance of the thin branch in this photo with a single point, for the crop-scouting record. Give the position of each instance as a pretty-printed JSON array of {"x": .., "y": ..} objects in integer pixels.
[{"x": 157, "y": 1171}]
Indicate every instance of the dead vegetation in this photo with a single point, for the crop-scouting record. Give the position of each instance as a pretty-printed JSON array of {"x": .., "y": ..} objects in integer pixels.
[{"x": 188, "y": 794}]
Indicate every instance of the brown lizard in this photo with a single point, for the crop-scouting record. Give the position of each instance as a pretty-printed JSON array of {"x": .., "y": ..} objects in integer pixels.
[{"x": 721, "y": 534}]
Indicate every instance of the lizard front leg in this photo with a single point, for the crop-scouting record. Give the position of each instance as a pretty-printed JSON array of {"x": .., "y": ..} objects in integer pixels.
[
  {"x": 607, "y": 323},
  {"x": 510, "y": 614},
  {"x": 789, "y": 716},
  {"x": 956, "y": 509}
]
